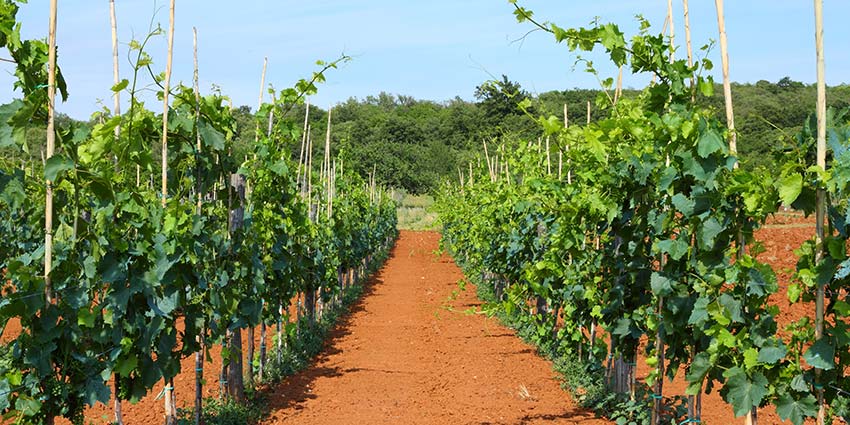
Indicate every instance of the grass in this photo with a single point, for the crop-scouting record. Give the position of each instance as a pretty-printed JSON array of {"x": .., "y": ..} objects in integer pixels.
[{"x": 414, "y": 213}]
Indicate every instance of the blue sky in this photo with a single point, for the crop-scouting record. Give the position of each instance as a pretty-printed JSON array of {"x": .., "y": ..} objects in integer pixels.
[{"x": 432, "y": 49}]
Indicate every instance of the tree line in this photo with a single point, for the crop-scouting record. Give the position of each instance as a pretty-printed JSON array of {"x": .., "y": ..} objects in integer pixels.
[{"x": 413, "y": 144}]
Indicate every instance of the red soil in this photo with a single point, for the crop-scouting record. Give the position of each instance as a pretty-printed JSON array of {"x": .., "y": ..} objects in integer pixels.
[{"x": 409, "y": 354}]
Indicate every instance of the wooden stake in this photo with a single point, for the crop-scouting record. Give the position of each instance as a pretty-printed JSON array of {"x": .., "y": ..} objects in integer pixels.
[
  {"x": 50, "y": 142},
  {"x": 489, "y": 165},
  {"x": 548, "y": 158},
  {"x": 566, "y": 117},
  {"x": 166, "y": 90},
  {"x": 727, "y": 86},
  {"x": 619, "y": 90},
  {"x": 821, "y": 195},
  {"x": 260, "y": 97},
  {"x": 303, "y": 140},
  {"x": 588, "y": 112},
  {"x": 170, "y": 408},
  {"x": 672, "y": 30},
  {"x": 199, "y": 357},
  {"x": 327, "y": 163},
  {"x": 688, "y": 42},
  {"x": 116, "y": 96},
  {"x": 116, "y": 111}
]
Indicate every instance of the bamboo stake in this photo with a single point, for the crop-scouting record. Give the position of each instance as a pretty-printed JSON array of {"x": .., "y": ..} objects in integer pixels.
[
  {"x": 672, "y": 30},
  {"x": 260, "y": 97},
  {"x": 166, "y": 90},
  {"x": 51, "y": 142},
  {"x": 727, "y": 86},
  {"x": 199, "y": 357},
  {"x": 168, "y": 390},
  {"x": 116, "y": 96},
  {"x": 328, "y": 163},
  {"x": 489, "y": 165},
  {"x": 303, "y": 140},
  {"x": 116, "y": 111},
  {"x": 566, "y": 117},
  {"x": 619, "y": 90},
  {"x": 821, "y": 195},
  {"x": 688, "y": 42}
]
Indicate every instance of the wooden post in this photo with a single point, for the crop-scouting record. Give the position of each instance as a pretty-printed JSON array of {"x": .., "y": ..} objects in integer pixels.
[
  {"x": 560, "y": 163},
  {"x": 116, "y": 111},
  {"x": 250, "y": 339},
  {"x": 327, "y": 163},
  {"x": 166, "y": 89},
  {"x": 588, "y": 112},
  {"x": 51, "y": 140},
  {"x": 619, "y": 90},
  {"x": 658, "y": 387},
  {"x": 235, "y": 385},
  {"x": 548, "y": 158},
  {"x": 487, "y": 157},
  {"x": 116, "y": 96},
  {"x": 199, "y": 356},
  {"x": 50, "y": 146},
  {"x": 821, "y": 195},
  {"x": 566, "y": 117},
  {"x": 688, "y": 43},
  {"x": 727, "y": 86},
  {"x": 672, "y": 30},
  {"x": 168, "y": 390},
  {"x": 260, "y": 100},
  {"x": 304, "y": 135}
]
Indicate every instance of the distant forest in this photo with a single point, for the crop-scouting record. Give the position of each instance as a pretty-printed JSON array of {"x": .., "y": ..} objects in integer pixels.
[{"x": 414, "y": 144}]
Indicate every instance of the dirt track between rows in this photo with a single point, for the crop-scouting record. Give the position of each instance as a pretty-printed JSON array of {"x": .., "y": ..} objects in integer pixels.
[{"x": 409, "y": 353}]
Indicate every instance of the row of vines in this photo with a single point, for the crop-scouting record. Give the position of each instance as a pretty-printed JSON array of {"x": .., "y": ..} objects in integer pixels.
[
  {"x": 631, "y": 238},
  {"x": 142, "y": 277}
]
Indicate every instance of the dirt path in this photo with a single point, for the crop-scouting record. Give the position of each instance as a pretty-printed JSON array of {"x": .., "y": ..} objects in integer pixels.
[{"x": 408, "y": 354}]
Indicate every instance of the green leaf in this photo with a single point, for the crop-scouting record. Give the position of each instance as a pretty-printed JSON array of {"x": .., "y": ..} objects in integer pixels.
[
  {"x": 771, "y": 355},
  {"x": 794, "y": 292},
  {"x": 709, "y": 143},
  {"x": 796, "y": 409},
  {"x": 683, "y": 204},
  {"x": 85, "y": 318},
  {"x": 121, "y": 85},
  {"x": 798, "y": 383},
  {"x": 697, "y": 371},
  {"x": 821, "y": 355},
  {"x": 789, "y": 188},
  {"x": 55, "y": 165},
  {"x": 96, "y": 391},
  {"x": 661, "y": 285},
  {"x": 674, "y": 247},
  {"x": 732, "y": 306},
  {"x": 751, "y": 356},
  {"x": 5, "y": 390},
  {"x": 743, "y": 392},
  {"x": 27, "y": 406},
  {"x": 708, "y": 232},
  {"x": 706, "y": 87},
  {"x": 125, "y": 366},
  {"x": 700, "y": 312},
  {"x": 210, "y": 136}
]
